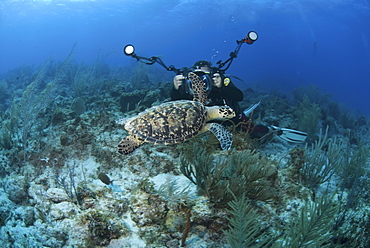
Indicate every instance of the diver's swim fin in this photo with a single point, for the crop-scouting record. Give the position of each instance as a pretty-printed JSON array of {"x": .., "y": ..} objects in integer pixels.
[
  {"x": 290, "y": 135},
  {"x": 287, "y": 134},
  {"x": 251, "y": 108}
]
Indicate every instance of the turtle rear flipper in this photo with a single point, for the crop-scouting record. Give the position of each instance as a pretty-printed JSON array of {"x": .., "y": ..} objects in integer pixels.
[
  {"x": 129, "y": 144},
  {"x": 222, "y": 134}
]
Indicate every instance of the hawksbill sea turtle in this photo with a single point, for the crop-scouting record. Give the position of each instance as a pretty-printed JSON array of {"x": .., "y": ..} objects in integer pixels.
[{"x": 176, "y": 121}]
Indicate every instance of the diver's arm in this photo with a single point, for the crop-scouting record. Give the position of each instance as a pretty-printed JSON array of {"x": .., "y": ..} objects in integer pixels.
[
  {"x": 178, "y": 90},
  {"x": 175, "y": 94},
  {"x": 180, "y": 94}
]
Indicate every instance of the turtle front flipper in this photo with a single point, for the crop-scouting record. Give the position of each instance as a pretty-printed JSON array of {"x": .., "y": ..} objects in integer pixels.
[
  {"x": 129, "y": 144},
  {"x": 199, "y": 88},
  {"x": 221, "y": 133}
]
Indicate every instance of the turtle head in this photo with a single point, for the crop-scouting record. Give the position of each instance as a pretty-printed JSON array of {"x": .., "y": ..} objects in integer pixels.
[
  {"x": 220, "y": 113},
  {"x": 226, "y": 112}
]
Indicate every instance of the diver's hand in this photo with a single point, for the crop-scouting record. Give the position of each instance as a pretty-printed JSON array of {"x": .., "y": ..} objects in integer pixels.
[{"x": 177, "y": 81}]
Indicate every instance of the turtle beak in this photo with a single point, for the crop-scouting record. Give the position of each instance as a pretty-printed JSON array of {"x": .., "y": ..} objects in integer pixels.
[{"x": 232, "y": 114}]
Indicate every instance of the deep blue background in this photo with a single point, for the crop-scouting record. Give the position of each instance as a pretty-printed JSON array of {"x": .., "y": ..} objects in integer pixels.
[{"x": 181, "y": 32}]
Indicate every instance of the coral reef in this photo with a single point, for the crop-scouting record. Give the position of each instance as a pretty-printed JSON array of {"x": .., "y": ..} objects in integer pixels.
[
  {"x": 313, "y": 225},
  {"x": 244, "y": 225},
  {"x": 237, "y": 173},
  {"x": 63, "y": 184},
  {"x": 321, "y": 163},
  {"x": 308, "y": 116}
]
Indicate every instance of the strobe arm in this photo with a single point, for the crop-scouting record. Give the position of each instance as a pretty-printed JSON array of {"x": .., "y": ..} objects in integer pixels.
[
  {"x": 129, "y": 50},
  {"x": 249, "y": 39}
]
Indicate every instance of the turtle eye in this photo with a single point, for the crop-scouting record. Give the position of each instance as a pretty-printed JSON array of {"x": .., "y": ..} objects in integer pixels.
[{"x": 227, "y": 112}]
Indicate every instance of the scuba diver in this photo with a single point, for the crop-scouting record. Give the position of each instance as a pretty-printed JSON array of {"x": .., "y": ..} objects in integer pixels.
[{"x": 221, "y": 91}]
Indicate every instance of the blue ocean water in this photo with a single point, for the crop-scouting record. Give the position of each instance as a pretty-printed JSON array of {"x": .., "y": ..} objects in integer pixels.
[
  {"x": 64, "y": 81},
  {"x": 303, "y": 42}
]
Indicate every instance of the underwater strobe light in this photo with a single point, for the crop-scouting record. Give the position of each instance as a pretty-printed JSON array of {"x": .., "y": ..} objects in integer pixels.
[
  {"x": 129, "y": 50},
  {"x": 251, "y": 37}
]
